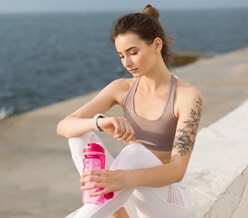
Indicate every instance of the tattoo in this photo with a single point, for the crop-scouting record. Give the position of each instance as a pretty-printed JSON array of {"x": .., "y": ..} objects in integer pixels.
[{"x": 185, "y": 138}]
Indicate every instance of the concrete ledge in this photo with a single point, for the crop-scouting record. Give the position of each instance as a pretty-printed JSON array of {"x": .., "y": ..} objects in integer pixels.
[{"x": 218, "y": 171}]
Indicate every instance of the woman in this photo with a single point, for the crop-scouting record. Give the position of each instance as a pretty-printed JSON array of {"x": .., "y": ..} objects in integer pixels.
[{"x": 162, "y": 114}]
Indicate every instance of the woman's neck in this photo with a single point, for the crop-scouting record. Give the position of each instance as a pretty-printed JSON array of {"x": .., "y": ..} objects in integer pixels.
[{"x": 157, "y": 79}]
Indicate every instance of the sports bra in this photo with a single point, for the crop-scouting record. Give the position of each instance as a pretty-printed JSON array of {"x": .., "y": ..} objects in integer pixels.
[{"x": 156, "y": 134}]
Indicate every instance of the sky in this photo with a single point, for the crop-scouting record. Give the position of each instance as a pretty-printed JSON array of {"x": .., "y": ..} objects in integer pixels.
[{"x": 13, "y": 6}]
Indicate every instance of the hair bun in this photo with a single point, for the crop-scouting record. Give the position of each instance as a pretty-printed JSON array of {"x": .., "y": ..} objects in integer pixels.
[{"x": 149, "y": 10}]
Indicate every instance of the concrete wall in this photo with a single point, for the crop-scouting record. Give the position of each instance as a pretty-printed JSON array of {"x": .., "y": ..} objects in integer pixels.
[{"x": 218, "y": 171}]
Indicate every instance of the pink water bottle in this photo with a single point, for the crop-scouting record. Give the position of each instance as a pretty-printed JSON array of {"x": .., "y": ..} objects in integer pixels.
[{"x": 94, "y": 158}]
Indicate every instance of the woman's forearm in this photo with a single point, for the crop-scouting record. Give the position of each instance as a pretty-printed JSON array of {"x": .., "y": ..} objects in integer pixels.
[{"x": 74, "y": 126}]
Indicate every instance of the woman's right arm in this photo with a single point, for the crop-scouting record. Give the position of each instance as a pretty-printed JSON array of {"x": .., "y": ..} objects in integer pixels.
[{"x": 81, "y": 121}]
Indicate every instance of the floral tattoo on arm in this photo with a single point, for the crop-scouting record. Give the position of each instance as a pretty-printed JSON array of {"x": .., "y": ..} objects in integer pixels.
[{"x": 185, "y": 138}]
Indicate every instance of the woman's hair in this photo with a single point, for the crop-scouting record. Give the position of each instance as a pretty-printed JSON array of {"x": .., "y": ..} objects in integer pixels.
[{"x": 146, "y": 25}]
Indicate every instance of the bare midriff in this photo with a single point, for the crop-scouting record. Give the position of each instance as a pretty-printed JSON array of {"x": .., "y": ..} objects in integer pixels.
[{"x": 163, "y": 156}]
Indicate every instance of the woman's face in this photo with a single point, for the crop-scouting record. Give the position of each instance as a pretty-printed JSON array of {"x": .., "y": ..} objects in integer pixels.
[{"x": 136, "y": 55}]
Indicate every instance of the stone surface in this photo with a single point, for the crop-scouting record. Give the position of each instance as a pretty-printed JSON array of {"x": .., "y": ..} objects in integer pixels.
[{"x": 218, "y": 170}]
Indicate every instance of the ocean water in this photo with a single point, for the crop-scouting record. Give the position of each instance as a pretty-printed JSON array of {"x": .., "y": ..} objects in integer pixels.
[{"x": 46, "y": 58}]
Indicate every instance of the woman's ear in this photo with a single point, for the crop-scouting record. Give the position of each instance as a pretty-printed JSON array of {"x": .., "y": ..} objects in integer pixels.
[{"x": 158, "y": 43}]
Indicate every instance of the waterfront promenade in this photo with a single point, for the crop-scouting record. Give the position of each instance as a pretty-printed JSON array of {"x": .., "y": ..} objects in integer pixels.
[{"x": 38, "y": 178}]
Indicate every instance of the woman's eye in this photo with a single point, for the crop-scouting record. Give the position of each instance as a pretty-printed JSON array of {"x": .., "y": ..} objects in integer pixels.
[{"x": 134, "y": 53}]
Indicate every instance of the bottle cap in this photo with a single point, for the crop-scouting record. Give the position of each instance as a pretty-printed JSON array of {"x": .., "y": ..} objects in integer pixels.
[{"x": 93, "y": 147}]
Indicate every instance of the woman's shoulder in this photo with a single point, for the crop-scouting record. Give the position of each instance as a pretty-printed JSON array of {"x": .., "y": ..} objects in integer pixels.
[
  {"x": 185, "y": 88},
  {"x": 188, "y": 97},
  {"x": 122, "y": 84},
  {"x": 120, "y": 87}
]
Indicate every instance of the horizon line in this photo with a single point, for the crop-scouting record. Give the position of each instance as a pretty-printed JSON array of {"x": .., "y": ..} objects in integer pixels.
[{"x": 120, "y": 10}]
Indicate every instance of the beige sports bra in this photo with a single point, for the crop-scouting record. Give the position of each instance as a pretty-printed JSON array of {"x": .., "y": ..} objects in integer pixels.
[{"x": 156, "y": 134}]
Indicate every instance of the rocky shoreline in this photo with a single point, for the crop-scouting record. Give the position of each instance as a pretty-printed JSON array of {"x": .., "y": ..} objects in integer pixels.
[{"x": 182, "y": 58}]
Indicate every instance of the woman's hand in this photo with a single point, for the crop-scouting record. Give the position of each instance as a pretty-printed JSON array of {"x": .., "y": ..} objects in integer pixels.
[
  {"x": 108, "y": 180},
  {"x": 118, "y": 127}
]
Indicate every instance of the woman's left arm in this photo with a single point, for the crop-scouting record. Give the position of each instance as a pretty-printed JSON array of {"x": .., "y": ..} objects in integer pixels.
[
  {"x": 188, "y": 122},
  {"x": 166, "y": 174}
]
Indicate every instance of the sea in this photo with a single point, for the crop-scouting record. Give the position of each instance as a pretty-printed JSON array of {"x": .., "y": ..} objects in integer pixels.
[{"x": 50, "y": 57}]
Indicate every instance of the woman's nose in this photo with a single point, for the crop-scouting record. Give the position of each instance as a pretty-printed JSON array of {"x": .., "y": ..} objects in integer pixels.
[{"x": 127, "y": 62}]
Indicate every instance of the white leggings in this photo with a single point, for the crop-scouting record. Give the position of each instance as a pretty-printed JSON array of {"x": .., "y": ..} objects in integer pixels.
[{"x": 170, "y": 201}]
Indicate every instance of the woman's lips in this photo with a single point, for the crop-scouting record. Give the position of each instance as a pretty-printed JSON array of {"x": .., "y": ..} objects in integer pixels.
[{"x": 132, "y": 70}]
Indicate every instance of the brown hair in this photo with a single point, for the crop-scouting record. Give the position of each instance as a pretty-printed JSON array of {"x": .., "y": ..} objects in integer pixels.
[{"x": 146, "y": 25}]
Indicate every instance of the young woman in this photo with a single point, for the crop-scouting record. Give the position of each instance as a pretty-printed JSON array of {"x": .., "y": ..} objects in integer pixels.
[{"x": 162, "y": 114}]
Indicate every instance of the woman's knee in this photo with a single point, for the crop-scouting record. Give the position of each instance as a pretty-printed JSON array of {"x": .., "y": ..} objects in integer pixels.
[
  {"x": 132, "y": 156},
  {"x": 84, "y": 139}
]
